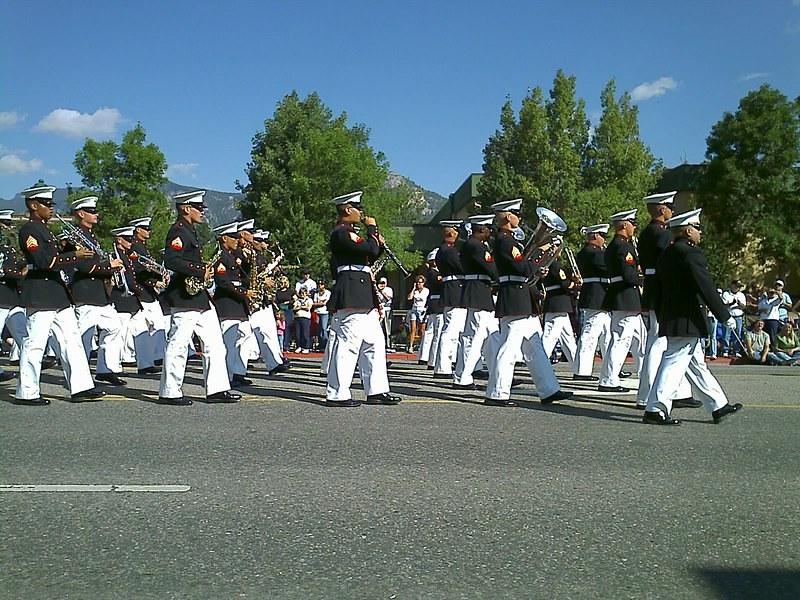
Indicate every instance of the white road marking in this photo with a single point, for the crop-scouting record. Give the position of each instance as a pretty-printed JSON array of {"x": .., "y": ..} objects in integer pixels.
[{"x": 94, "y": 488}]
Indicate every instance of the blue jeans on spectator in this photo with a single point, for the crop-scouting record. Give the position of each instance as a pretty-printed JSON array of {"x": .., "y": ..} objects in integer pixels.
[
  {"x": 772, "y": 327},
  {"x": 728, "y": 344},
  {"x": 303, "y": 325},
  {"x": 322, "y": 329},
  {"x": 288, "y": 335},
  {"x": 711, "y": 346},
  {"x": 280, "y": 341}
]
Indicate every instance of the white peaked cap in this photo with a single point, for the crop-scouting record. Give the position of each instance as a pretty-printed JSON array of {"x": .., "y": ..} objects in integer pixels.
[
  {"x": 351, "y": 198},
  {"x": 508, "y": 205},
  {"x": 665, "y": 198},
  {"x": 600, "y": 228},
  {"x": 688, "y": 218},
  {"x": 39, "y": 191},
  {"x": 227, "y": 229},
  {"x": 451, "y": 223},
  {"x": 194, "y": 197},
  {"x": 6, "y": 214},
  {"x": 260, "y": 234},
  {"x": 143, "y": 222},
  {"x": 85, "y": 202},
  {"x": 123, "y": 231},
  {"x": 248, "y": 225},
  {"x": 625, "y": 215},
  {"x": 481, "y": 219},
  {"x": 432, "y": 254}
]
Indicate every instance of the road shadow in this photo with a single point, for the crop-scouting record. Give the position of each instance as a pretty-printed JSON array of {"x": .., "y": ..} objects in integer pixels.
[
  {"x": 578, "y": 411},
  {"x": 775, "y": 584}
]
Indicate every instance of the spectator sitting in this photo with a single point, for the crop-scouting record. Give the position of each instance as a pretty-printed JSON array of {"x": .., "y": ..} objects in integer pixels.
[
  {"x": 757, "y": 342},
  {"x": 787, "y": 347}
]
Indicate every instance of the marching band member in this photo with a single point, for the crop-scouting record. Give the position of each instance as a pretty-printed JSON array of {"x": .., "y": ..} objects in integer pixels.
[
  {"x": 47, "y": 305},
  {"x": 454, "y": 315},
  {"x": 520, "y": 330},
  {"x": 90, "y": 287},
  {"x": 622, "y": 299},
  {"x": 558, "y": 308},
  {"x": 686, "y": 288},
  {"x": 654, "y": 239},
  {"x": 357, "y": 338},
  {"x": 14, "y": 269},
  {"x": 125, "y": 299},
  {"x": 429, "y": 345},
  {"x": 595, "y": 321},
  {"x": 479, "y": 274},
  {"x": 191, "y": 312}
]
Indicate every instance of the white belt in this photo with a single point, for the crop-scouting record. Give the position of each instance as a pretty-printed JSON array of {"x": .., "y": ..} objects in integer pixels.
[
  {"x": 551, "y": 288},
  {"x": 649, "y": 271},
  {"x": 447, "y": 278},
  {"x": 596, "y": 280},
  {"x": 434, "y": 297},
  {"x": 616, "y": 279},
  {"x": 477, "y": 278},
  {"x": 514, "y": 278},
  {"x": 362, "y": 268}
]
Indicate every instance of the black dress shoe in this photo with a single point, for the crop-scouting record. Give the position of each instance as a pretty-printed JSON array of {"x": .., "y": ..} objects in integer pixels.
[
  {"x": 618, "y": 389},
  {"x": 343, "y": 403},
  {"x": 480, "y": 374},
  {"x": 624, "y": 374},
  {"x": 585, "y": 378},
  {"x": 158, "y": 362},
  {"x": 442, "y": 376},
  {"x": 559, "y": 395},
  {"x": 49, "y": 362},
  {"x": 240, "y": 380},
  {"x": 92, "y": 395},
  {"x": 498, "y": 402},
  {"x": 386, "y": 398},
  {"x": 224, "y": 397},
  {"x": 180, "y": 401},
  {"x": 279, "y": 369},
  {"x": 638, "y": 406},
  {"x": 686, "y": 403},
  {"x": 422, "y": 362},
  {"x": 110, "y": 379},
  {"x": 31, "y": 401},
  {"x": 149, "y": 371},
  {"x": 726, "y": 410},
  {"x": 659, "y": 418},
  {"x": 7, "y": 376},
  {"x": 467, "y": 387}
]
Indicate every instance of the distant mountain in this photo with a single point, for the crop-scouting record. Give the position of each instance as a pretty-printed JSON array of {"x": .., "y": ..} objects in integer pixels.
[{"x": 429, "y": 202}]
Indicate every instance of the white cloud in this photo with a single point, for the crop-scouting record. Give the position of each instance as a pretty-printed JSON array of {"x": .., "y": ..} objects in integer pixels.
[
  {"x": 182, "y": 169},
  {"x": 752, "y": 76},
  {"x": 11, "y": 164},
  {"x": 71, "y": 123},
  {"x": 651, "y": 89},
  {"x": 10, "y": 118}
]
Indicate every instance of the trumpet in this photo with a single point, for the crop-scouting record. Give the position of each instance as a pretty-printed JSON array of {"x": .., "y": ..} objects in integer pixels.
[
  {"x": 154, "y": 267},
  {"x": 573, "y": 264},
  {"x": 79, "y": 238}
]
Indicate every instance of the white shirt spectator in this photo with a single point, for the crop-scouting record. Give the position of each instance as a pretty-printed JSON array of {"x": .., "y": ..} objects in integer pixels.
[
  {"x": 732, "y": 300},
  {"x": 322, "y": 297},
  {"x": 419, "y": 300},
  {"x": 386, "y": 297},
  {"x": 309, "y": 284},
  {"x": 768, "y": 308}
]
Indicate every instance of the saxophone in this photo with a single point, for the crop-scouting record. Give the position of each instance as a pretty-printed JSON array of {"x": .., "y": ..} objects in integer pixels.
[
  {"x": 262, "y": 283},
  {"x": 195, "y": 285}
]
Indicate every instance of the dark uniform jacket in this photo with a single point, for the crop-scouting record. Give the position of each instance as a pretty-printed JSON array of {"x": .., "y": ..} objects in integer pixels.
[
  {"x": 354, "y": 288},
  {"x": 514, "y": 296},
  {"x": 91, "y": 279},
  {"x": 183, "y": 257},
  {"x": 686, "y": 291},
  {"x": 479, "y": 273},
  {"x": 448, "y": 260},
  {"x": 557, "y": 297},
  {"x": 146, "y": 280},
  {"x": 433, "y": 281},
  {"x": 44, "y": 287},
  {"x": 123, "y": 301},
  {"x": 592, "y": 265},
  {"x": 652, "y": 242},
  {"x": 230, "y": 295},
  {"x": 623, "y": 271},
  {"x": 11, "y": 282}
]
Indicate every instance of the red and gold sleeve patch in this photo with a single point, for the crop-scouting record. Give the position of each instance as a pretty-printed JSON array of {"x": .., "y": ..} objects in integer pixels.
[
  {"x": 562, "y": 274},
  {"x": 133, "y": 256},
  {"x": 221, "y": 270},
  {"x": 176, "y": 244},
  {"x": 31, "y": 243},
  {"x": 629, "y": 259},
  {"x": 355, "y": 238},
  {"x": 516, "y": 254},
  {"x": 488, "y": 257}
]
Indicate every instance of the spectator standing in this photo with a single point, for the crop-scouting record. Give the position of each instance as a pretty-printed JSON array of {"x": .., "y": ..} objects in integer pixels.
[
  {"x": 736, "y": 302},
  {"x": 280, "y": 325},
  {"x": 769, "y": 311},
  {"x": 321, "y": 297},
  {"x": 306, "y": 283},
  {"x": 301, "y": 307},
  {"x": 711, "y": 346},
  {"x": 283, "y": 299},
  {"x": 757, "y": 342},
  {"x": 786, "y": 302},
  {"x": 386, "y": 297},
  {"x": 416, "y": 314}
]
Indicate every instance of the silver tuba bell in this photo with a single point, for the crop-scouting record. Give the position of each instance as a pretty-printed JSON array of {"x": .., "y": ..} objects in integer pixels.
[{"x": 550, "y": 231}]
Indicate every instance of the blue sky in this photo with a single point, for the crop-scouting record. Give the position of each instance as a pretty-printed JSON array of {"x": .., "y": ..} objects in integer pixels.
[{"x": 428, "y": 78}]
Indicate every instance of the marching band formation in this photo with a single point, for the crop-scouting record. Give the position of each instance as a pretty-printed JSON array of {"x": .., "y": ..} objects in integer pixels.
[{"x": 502, "y": 295}]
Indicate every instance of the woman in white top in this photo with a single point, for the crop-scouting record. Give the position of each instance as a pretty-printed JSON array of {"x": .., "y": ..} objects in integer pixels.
[
  {"x": 416, "y": 314},
  {"x": 302, "y": 316}
]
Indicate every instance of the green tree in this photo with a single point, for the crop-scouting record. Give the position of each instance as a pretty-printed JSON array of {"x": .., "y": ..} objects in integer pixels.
[
  {"x": 127, "y": 179},
  {"x": 304, "y": 157},
  {"x": 750, "y": 191}
]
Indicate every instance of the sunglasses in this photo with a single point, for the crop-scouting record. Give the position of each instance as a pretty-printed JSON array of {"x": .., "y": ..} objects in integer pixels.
[{"x": 91, "y": 211}]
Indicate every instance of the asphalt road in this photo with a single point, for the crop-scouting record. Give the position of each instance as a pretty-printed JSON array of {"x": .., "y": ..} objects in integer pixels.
[{"x": 438, "y": 497}]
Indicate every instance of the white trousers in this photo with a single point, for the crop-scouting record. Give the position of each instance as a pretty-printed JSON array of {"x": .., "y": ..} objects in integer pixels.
[
  {"x": 237, "y": 336},
  {"x": 430, "y": 339},
  {"x": 624, "y": 325},
  {"x": 16, "y": 322},
  {"x": 558, "y": 328},
  {"x": 479, "y": 326},
  {"x": 156, "y": 326},
  {"x": 327, "y": 355},
  {"x": 684, "y": 356},
  {"x": 518, "y": 335},
  {"x": 110, "y": 342},
  {"x": 206, "y": 325},
  {"x": 266, "y": 335},
  {"x": 128, "y": 348},
  {"x": 66, "y": 341},
  {"x": 358, "y": 340},
  {"x": 654, "y": 352},
  {"x": 453, "y": 322},
  {"x": 596, "y": 329}
]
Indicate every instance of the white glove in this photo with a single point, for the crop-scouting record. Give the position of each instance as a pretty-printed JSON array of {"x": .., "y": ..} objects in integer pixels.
[{"x": 731, "y": 323}]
